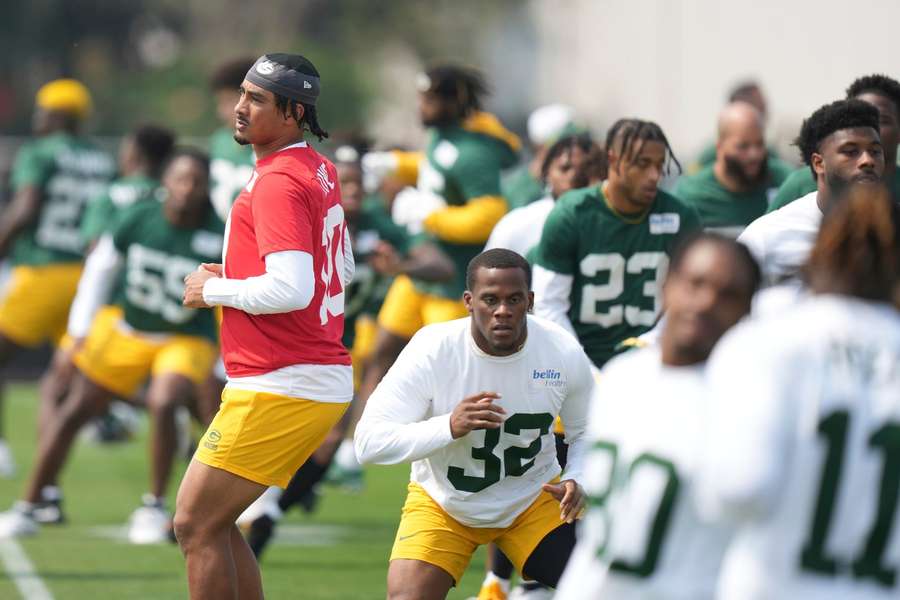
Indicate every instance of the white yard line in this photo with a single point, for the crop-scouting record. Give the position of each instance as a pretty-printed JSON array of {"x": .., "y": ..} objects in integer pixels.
[{"x": 21, "y": 571}]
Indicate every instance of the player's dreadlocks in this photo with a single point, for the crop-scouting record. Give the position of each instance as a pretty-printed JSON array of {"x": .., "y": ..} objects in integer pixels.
[
  {"x": 841, "y": 114},
  {"x": 877, "y": 84},
  {"x": 230, "y": 75},
  {"x": 625, "y": 133},
  {"x": 309, "y": 121},
  {"x": 565, "y": 144},
  {"x": 857, "y": 251},
  {"x": 465, "y": 86}
]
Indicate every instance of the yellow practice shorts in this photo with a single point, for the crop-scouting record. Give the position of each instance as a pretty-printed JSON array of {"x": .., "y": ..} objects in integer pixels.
[
  {"x": 406, "y": 310},
  {"x": 108, "y": 315},
  {"x": 121, "y": 361},
  {"x": 265, "y": 437},
  {"x": 363, "y": 345},
  {"x": 429, "y": 534},
  {"x": 35, "y": 305}
]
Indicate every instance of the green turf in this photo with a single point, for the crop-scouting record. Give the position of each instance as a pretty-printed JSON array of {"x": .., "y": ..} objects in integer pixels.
[{"x": 339, "y": 552}]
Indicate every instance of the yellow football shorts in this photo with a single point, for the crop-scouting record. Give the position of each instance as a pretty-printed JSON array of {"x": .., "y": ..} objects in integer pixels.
[
  {"x": 363, "y": 344},
  {"x": 121, "y": 361},
  {"x": 266, "y": 437},
  {"x": 429, "y": 534},
  {"x": 406, "y": 310},
  {"x": 35, "y": 304}
]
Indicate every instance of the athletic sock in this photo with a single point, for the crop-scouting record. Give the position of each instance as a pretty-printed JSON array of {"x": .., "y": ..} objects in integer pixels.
[
  {"x": 51, "y": 493},
  {"x": 302, "y": 483}
]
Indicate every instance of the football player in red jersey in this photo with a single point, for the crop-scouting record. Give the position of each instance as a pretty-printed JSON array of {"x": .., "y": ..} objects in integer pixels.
[{"x": 281, "y": 286}]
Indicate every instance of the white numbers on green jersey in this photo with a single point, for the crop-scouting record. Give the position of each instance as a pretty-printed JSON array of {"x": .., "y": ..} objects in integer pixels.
[
  {"x": 155, "y": 282},
  {"x": 59, "y": 224},
  {"x": 430, "y": 179},
  {"x": 228, "y": 179},
  {"x": 618, "y": 269},
  {"x": 333, "y": 242}
]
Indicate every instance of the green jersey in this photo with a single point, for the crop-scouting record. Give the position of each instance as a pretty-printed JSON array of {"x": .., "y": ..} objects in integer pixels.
[
  {"x": 724, "y": 210},
  {"x": 100, "y": 213},
  {"x": 158, "y": 256},
  {"x": 801, "y": 182},
  {"x": 617, "y": 264},
  {"x": 520, "y": 188},
  {"x": 365, "y": 294},
  {"x": 461, "y": 165},
  {"x": 69, "y": 171},
  {"x": 230, "y": 168}
]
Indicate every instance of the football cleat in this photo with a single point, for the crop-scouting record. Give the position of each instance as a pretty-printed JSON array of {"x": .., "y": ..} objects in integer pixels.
[
  {"x": 491, "y": 591},
  {"x": 149, "y": 524},
  {"x": 17, "y": 522}
]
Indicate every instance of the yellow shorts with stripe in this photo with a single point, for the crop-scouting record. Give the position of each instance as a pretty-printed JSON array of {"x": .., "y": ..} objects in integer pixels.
[
  {"x": 35, "y": 303},
  {"x": 265, "y": 437},
  {"x": 427, "y": 533},
  {"x": 121, "y": 360},
  {"x": 406, "y": 310}
]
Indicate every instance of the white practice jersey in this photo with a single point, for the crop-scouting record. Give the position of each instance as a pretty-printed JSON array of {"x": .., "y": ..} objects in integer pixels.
[
  {"x": 805, "y": 452},
  {"x": 520, "y": 229},
  {"x": 782, "y": 240},
  {"x": 643, "y": 537},
  {"x": 487, "y": 477}
]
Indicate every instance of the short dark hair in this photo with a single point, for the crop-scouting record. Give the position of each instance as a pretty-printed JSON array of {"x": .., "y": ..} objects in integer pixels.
[
  {"x": 230, "y": 75},
  {"x": 563, "y": 145},
  {"x": 465, "y": 86},
  {"x": 744, "y": 91},
  {"x": 739, "y": 250},
  {"x": 154, "y": 144},
  {"x": 841, "y": 114},
  {"x": 497, "y": 258},
  {"x": 191, "y": 152},
  {"x": 632, "y": 131},
  {"x": 877, "y": 84}
]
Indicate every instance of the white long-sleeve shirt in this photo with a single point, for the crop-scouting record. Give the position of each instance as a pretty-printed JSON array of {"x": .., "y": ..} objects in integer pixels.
[{"x": 407, "y": 418}]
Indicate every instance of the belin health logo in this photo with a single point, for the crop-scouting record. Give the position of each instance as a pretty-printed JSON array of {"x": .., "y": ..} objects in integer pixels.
[{"x": 546, "y": 377}]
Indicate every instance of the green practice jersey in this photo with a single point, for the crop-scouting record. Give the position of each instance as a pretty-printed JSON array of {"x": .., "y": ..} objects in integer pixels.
[
  {"x": 230, "y": 168},
  {"x": 365, "y": 294},
  {"x": 618, "y": 265},
  {"x": 726, "y": 211},
  {"x": 100, "y": 213},
  {"x": 461, "y": 165},
  {"x": 157, "y": 257},
  {"x": 520, "y": 188},
  {"x": 801, "y": 182},
  {"x": 69, "y": 171}
]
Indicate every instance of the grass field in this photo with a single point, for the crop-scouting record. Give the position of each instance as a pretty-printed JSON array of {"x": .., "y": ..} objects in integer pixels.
[{"x": 340, "y": 551}]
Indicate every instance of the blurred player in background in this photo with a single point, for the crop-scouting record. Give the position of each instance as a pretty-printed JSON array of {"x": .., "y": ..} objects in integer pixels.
[
  {"x": 155, "y": 245},
  {"x": 142, "y": 155},
  {"x": 484, "y": 462},
  {"x": 643, "y": 536},
  {"x": 545, "y": 125},
  {"x": 604, "y": 250},
  {"x": 840, "y": 144},
  {"x": 737, "y": 188},
  {"x": 53, "y": 178},
  {"x": 883, "y": 93},
  {"x": 805, "y": 451},
  {"x": 286, "y": 265}
]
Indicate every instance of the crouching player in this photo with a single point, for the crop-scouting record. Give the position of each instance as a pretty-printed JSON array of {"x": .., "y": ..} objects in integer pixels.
[
  {"x": 484, "y": 462},
  {"x": 153, "y": 246}
]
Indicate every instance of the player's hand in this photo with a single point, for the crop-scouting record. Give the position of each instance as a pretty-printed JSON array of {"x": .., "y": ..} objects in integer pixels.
[
  {"x": 570, "y": 496},
  {"x": 193, "y": 288},
  {"x": 375, "y": 167},
  {"x": 385, "y": 259},
  {"x": 214, "y": 268},
  {"x": 476, "y": 412}
]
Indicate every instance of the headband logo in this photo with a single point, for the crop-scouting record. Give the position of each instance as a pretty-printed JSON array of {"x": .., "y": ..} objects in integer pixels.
[
  {"x": 266, "y": 67},
  {"x": 307, "y": 85}
]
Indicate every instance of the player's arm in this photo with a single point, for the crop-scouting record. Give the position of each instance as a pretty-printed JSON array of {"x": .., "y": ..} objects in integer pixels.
[
  {"x": 554, "y": 269},
  {"x": 749, "y": 446},
  {"x": 477, "y": 177},
  {"x": 29, "y": 174},
  {"x": 423, "y": 261},
  {"x": 101, "y": 268},
  {"x": 395, "y": 163}
]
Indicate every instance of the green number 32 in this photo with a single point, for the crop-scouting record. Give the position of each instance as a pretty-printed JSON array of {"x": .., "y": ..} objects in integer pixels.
[{"x": 516, "y": 459}]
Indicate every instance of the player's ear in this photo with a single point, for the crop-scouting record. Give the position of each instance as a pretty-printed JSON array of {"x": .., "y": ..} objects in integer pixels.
[
  {"x": 818, "y": 163},
  {"x": 530, "y": 301},
  {"x": 467, "y": 300}
]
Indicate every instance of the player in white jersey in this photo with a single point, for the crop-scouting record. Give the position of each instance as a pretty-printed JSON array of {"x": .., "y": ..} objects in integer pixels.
[
  {"x": 841, "y": 144},
  {"x": 484, "y": 465},
  {"x": 644, "y": 536},
  {"x": 805, "y": 456}
]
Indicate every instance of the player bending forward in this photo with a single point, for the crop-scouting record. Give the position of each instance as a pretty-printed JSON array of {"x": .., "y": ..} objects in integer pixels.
[{"x": 484, "y": 462}]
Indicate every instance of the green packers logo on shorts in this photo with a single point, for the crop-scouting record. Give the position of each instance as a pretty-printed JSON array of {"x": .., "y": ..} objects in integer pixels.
[{"x": 212, "y": 439}]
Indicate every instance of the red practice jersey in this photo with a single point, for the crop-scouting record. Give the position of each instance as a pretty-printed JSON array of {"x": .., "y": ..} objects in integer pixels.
[{"x": 292, "y": 202}]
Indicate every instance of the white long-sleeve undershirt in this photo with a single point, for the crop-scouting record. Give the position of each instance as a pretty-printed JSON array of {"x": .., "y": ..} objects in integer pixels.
[
  {"x": 552, "y": 296},
  {"x": 287, "y": 285},
  {"x": 100, "y": 270}
]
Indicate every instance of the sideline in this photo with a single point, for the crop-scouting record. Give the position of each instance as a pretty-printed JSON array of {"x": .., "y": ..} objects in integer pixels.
[{"x": 21, "y": 571}]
